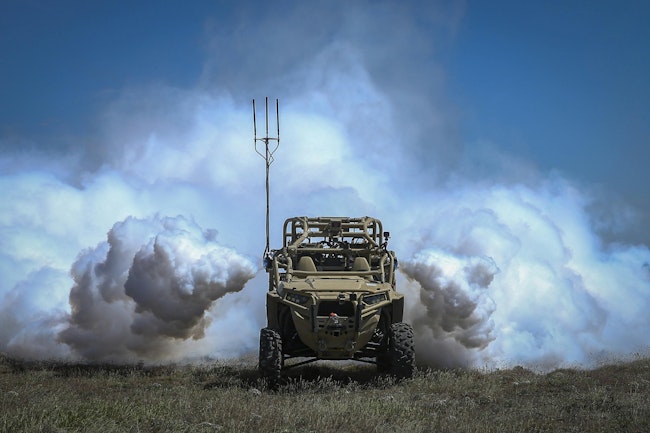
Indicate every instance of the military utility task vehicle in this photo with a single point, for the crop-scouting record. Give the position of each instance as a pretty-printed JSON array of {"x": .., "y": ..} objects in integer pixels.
[
  {"x": 332, "y": 296},
  {"x": 331, "y": 290}
]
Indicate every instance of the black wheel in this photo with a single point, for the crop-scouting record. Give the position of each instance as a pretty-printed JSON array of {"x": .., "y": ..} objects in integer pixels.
[
  {"x": 270, "y": 363},
  {"x": 383, "y": 362},
  {"x": 400, "y": 358}
]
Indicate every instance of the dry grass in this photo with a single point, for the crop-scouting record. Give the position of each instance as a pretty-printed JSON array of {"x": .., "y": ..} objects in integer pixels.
[{"x": 229, "y": 397}]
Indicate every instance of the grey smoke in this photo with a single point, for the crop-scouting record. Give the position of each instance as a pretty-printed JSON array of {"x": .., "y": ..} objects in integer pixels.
[
  {"x": 515, "y": 274},
  {"x": 148, "y": 286},
  {"x": 454, "y": 298}
]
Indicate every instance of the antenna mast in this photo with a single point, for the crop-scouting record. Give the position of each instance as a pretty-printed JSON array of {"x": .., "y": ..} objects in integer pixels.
[{"x": 267, "y": 155}]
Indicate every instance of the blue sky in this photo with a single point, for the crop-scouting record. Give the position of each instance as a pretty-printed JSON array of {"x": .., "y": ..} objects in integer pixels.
[
  {"x": 62, "y": 60},
  {"x": 561, "y": 85}
]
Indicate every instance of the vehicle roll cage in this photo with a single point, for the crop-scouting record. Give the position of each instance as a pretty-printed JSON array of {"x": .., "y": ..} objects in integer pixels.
[{"x": 334, "y": 246}]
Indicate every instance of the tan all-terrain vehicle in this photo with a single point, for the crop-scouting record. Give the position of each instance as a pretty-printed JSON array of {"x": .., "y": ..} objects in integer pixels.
[{"x": 332, "y": 297}]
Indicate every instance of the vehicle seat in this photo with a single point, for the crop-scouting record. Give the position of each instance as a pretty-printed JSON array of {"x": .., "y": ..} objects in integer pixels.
[
  {"x": 360, "y": 264},
  {"x": 306, "y": 264}
]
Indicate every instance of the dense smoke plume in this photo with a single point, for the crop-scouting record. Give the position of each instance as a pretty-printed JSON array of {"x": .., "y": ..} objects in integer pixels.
[
  {"x": 501, "y": 263},
  {"x": 147, "y": 288},
  {"x": 452, "y": 313},
  {"x": 516, "y": 274}
]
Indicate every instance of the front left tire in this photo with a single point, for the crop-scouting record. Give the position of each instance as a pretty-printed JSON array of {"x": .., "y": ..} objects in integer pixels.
[{"x": 270, "y": 357}]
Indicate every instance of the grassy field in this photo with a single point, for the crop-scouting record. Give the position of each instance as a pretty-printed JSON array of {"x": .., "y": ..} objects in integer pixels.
[{"x": 229, "y": 397}]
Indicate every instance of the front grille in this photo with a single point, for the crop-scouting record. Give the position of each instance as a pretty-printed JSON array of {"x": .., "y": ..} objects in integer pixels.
[{"x": 345, "y": 309}]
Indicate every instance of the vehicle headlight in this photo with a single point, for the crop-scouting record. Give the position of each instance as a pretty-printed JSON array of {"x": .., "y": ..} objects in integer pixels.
[
  {"x": 374, "y": 299},
  {"x": 297, "y": 298}
]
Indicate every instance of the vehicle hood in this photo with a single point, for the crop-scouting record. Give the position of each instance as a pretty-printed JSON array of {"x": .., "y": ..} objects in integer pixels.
[{"x": 337, "y": 284}]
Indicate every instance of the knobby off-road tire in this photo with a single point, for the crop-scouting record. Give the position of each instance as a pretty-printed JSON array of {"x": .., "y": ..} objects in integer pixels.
[
  {"x": 401, "y": 350},
  {"x": 270, "y": 362}
]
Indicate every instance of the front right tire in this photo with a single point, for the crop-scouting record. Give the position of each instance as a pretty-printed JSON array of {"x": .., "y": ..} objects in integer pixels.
[{"x": 400, "y": 357}]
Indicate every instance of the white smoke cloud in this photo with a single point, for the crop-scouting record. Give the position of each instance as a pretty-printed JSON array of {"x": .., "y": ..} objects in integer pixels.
[
  {"x": 497, "y": 268},
  {"x": 32, "y": 313},
  {"x": 150, "y": 285},
  {"x": 454, "y": 308},
  {"x": 452, "y": 313},
  {"x": 519, "y": 276}
]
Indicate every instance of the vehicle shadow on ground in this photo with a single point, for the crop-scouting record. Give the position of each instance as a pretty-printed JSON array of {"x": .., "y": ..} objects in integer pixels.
[
  {"x": 339, "y": 373},
  {"x": 308, "y": 377}
]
